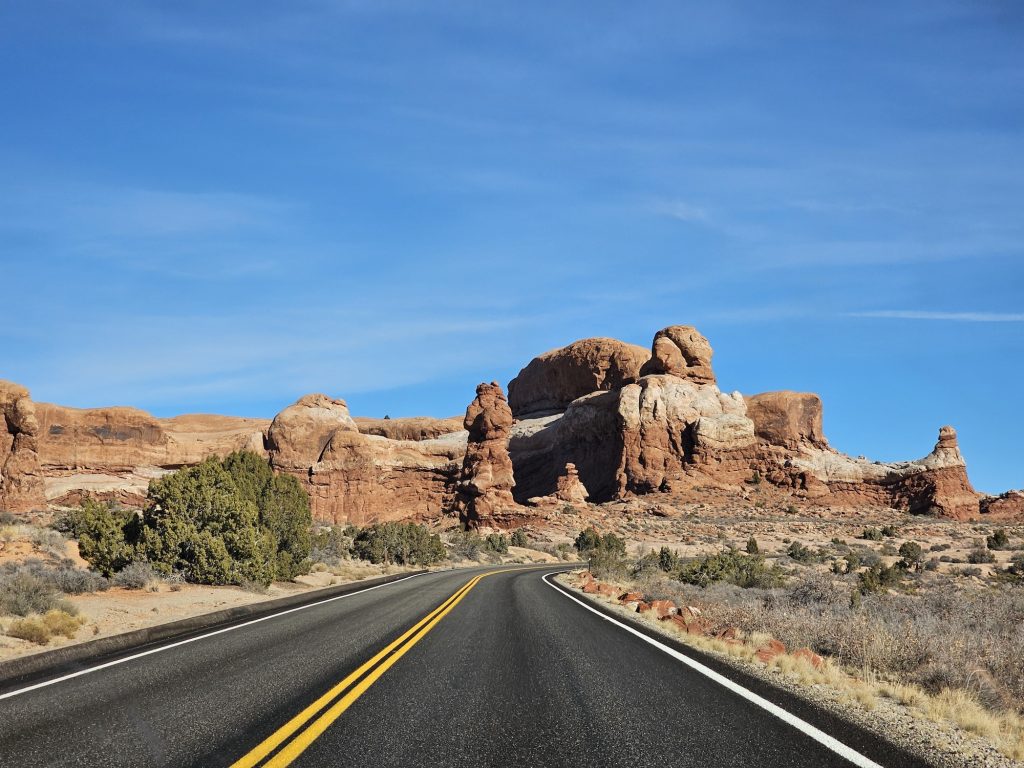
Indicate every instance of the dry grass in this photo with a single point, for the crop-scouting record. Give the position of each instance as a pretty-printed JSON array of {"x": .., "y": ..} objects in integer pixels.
[
  {"x": 41, "y": 629},
  {"x": 992, "y": 717}
]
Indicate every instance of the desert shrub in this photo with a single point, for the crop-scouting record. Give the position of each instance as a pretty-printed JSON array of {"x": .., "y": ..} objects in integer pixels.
[
  {"x": 752, "y": 548},
  {"x": 932, "y": 564},
  {"x": 878, "y": 578},
  {"x": 980, "y": 555},
  {"x": 668, "y": 559},
  {"x": 998, "y": 540},
  {"x": 32, "y": 629},
  {"x": 732, "y": 567},
  {"x": 40, "y": 629},
  {"x": 137, "y": 575},
  {"x": 939, "y": 547},
  {"x": 65, "y": 577},
  {"x": 219, "y": 522},
  {"x": 332, "y": 544},
  {"x": 815, "y": 590},
  {"x": 890, "y": 531},
  {"x": 402, "y": 543},
  {"x": 606, "y": 554},
  {"x": 912, "y": 554},
  {"x": 871, "y": 534},
  {"x": 7, "y": 518},
  {"x": 49, "y": 540},
  {"x": 105, "y": 534},
  {"x": 519, "y": 538},
  {"x": 283, "y": 509},
  {"x": 799, "y": 553},
  {"x": 496, "y": 543},
  {"x": 22, "y": 593},
  {"x": 967, "y": 572},
  {"x": 564, "y": 550},
  {"x": 465, "y": 545}
]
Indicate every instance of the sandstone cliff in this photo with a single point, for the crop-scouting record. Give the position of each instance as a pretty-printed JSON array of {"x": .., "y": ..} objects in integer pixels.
[
  {"x": 553, "y": 380},
  {"x": 362, "y": 478},
  {"x": 21, "y": 477}
]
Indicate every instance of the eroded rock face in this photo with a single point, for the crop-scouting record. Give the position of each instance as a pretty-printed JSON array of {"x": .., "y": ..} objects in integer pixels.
[
  {"x": 1009, "y": 505},
  {"x": 486, "y": 481},
  {"x": 21, "y": 479},
  {"x": 410, "y": 428},
  {"x": 788, "y": 419},
  {"x": 299, "y": 434},
  {"x": 682, "y": 351},
  {"x": 112, "y": 453},
  {"x": 363, "y": 478},
  {"x": 553, "y": 380}
]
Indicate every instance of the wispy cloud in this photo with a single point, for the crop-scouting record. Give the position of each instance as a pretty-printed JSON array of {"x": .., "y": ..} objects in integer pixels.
[
  {"x": 681, "y": 211},
  {"x": 957, "y": 317}
]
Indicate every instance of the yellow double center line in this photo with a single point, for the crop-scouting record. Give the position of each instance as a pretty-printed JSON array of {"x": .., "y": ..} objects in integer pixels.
[{"x": 379, "y": 664}]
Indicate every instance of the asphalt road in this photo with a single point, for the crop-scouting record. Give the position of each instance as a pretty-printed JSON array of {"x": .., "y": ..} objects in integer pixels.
[{"x": 510, "y": 672}]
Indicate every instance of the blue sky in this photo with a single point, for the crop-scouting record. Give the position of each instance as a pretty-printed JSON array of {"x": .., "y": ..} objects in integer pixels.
[{"x": 222, "y": 206}]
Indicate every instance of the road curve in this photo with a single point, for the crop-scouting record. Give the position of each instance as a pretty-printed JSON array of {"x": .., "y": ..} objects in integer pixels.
[{"x": 444, "y": 669}]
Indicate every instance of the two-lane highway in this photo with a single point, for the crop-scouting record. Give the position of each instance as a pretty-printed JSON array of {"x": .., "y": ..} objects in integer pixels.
[{"x": 456, "y": 668}]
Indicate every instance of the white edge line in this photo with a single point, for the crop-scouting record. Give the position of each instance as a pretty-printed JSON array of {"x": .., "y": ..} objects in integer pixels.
[
  {"x": 169, "y": 646},
  {"x": 787, "y": 717}
]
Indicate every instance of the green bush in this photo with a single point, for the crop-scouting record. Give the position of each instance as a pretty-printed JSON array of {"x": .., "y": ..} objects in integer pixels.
[
  {"x": 800, "y": 553},
  {"x": 752, "y": 547},
  {"x": 871, "y": 534},
  {"x": 219, "y": 522},
  {"x": 668, "y": 559},
  {"x": 732, "y": 567},
  {"x": 912, "y": 554},
  {"x": 496, "y": 543},
  {"x": 998, "y": 540},
  {"x": 402, "y": 543},
  {"x": 606, "y": 554},
  {"x": 890, "y": 531},
  {"x": 519, "y": 538},
  {"x": 980, "y": 555},
  {"x": 879, "y": 578}
]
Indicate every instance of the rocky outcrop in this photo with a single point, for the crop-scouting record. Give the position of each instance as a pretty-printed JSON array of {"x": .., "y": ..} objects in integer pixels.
[
  {"x": 299, "y": 434},
  {"x": 21, "y": 478},
  {"x": 113, "y": 453},
  {"x": 936, "y": 485},
  {"x": 681, "y": 351},
  {"x": 676, "y": 431},
  {"x": 569, "y": 487},
  {"x": 787, "y": 419},
  {"x": 362, "y": 478},
  {"x": 553, "y": 380},
  {"x": 410, "y": 428},
  {"x": 1009, "y": 505},
  {"x": 486, "y": 481}
]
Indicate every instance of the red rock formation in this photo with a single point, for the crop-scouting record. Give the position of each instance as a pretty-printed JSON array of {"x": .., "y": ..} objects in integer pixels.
[
  {"x": 1009, "y": 505},
  {"x": 356, "y": 478},
  {"x": 553, "y": 380},
  {"x": 569, "y": 488},
  {"x": 486, "y": 482},
  {"x": 21, "y": 479},
  {"x": 682, "y": 351},
  {"x": 113, "y": 453},
  {"x": 788, "y": 419},
  {"x": 411, "y": 428}
]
